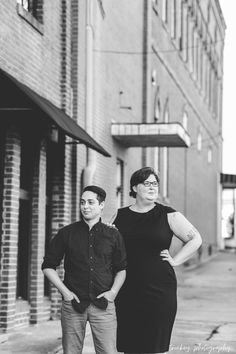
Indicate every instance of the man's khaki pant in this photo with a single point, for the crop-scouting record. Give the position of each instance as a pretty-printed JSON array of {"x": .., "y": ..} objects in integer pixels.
[{"x": 103, "y": 326}]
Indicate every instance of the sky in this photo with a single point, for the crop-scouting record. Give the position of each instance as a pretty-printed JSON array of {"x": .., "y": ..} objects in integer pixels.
[{"x": 229, "y": 94}]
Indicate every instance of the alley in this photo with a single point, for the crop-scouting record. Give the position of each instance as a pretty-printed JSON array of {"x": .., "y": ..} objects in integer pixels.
[{"x": 205, "y": 324}]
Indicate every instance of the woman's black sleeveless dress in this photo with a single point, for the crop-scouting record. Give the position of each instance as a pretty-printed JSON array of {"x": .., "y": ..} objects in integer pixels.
[{"x": 146, "y": 304}]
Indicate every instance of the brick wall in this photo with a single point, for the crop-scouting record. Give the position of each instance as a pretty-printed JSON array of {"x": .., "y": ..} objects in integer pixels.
[
  {"x": 10, "y": 230},
  {"x": 30, "y": 56},
  {"x": 38, "y": 55},
  {"x": 38, "y": 202}
]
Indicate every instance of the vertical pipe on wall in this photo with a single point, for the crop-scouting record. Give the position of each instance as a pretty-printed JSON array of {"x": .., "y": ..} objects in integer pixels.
[
  {"x": 89, "y": 105},
  {"x": 219, "y": 238},
  {"x": 147, "y": 41}
]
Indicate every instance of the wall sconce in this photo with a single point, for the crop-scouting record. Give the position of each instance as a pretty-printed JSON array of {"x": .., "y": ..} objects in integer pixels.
[{"x": 54, "y": 134}]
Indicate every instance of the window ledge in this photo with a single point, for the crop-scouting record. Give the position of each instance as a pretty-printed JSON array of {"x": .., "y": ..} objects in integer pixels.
[{"x": 28, "y": 17}]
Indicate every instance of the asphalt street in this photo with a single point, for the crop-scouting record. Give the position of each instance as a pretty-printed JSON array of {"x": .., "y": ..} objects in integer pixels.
[{"x": 205, "y": 323}]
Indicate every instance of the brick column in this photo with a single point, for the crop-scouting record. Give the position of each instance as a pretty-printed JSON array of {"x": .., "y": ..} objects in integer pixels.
[
  {"x": 61, "y": 208},
  {"x": 10, "y": 215},
  {"x": 61, "y": 196},
  {"x": 38, "y": 235}
]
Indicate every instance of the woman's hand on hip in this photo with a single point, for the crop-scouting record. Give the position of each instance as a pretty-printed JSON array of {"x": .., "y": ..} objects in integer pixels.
[{"x": 167, "y": 257}]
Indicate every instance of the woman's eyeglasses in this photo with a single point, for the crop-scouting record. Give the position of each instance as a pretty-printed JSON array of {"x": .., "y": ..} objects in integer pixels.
[{"x": 149, "y": 184}]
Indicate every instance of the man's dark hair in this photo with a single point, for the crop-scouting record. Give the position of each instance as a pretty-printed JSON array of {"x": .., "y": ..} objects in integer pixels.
[
  {"x": 101, "y": 194},
  {"x": 140, "y": 176}
]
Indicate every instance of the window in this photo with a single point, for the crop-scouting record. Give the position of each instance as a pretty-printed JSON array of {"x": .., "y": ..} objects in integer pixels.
[
  {"x": 34, "y": 7},
  {"x": 157, "y": 107},
  {"x": 191, "y": 51},
  {"x": 209, "y": 155},
  {"x": 157, "y": 113},
  {"x": 184, "y": 30},
  {"x": 199, "y": 142},
  {"x": 156, "y": 159},
  {"x": 24, "y": 4},
  {"x": 216, "y": 36},
  {"x": 195, "y": 55},
  {"x": 200, "y": 66},
  {"x": 197, "y": 58},
  {"x": 215, "y": 94},
  {"x": 166, "y": 160},
  {"x": 204, "y": 67},
  {"x": 165, "y": 11},
  {"x": 185, "y": 120},
  {"x": 210, "y": 86},
  {"x": 208, "y": 14},
  {"x": 219, "y": 101},
  {"x": 173, "y": 18},
  {"x": 120, "y": 182},
  {"x": 207, "y": 84}
]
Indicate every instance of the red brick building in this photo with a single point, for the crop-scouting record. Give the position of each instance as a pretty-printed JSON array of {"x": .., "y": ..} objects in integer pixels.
[{"x": 142, "y": 81}]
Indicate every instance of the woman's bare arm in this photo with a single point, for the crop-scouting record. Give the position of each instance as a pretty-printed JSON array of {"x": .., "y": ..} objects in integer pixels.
[{"x": 187, "y": 233}]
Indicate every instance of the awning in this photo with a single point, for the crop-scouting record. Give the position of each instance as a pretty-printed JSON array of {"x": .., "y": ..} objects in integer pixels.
[
  {"x": 26, "y": 96},
  {"x": 228, "y": 180},
  {"x": 150, "y": 134}
]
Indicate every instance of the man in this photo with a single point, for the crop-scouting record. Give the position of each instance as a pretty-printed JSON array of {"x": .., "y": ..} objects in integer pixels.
[{"x": 94, "y": 262}]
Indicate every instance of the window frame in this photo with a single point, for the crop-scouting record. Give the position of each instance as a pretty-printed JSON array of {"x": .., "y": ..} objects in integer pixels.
[
  {"x": 35, "y": 21},
  {"x": 165, "y": 174}
]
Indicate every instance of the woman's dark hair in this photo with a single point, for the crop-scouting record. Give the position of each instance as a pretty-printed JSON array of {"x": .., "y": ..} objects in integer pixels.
[{"x": 140, "y": 176}]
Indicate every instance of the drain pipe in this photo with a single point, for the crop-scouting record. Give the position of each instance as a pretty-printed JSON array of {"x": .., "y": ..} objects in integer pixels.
[{"x": 90, "y": 168}]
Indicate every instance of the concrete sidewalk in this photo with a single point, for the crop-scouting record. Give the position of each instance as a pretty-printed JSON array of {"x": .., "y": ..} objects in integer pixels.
[
  {"x": 205, "y": 324},
  {"x": 206, "y": 317}
]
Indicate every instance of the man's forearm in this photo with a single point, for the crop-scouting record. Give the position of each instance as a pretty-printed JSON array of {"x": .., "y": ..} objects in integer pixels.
[
  {"x": 54, "y": 278},
  {"x": 118, "y": 281}
]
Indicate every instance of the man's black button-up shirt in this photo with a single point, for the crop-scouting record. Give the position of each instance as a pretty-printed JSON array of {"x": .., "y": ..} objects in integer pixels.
[{"x": 91, "y": 257}]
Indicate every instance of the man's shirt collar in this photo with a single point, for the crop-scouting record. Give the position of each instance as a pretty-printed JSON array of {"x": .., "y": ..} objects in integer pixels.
[{"x": 87, "y": 226}]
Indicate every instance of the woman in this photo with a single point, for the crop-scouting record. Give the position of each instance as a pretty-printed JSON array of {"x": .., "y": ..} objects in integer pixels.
[{"x": 146, "y": 305}]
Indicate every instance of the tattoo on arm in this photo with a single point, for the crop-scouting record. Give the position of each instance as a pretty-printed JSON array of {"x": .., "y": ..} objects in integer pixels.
[{"x": 191, "y": 233}]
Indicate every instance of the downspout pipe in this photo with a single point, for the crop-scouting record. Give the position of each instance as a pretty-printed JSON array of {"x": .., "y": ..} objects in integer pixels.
[
  {"x": 90, "y": 168},
  {"x": 147, "y": 42}
]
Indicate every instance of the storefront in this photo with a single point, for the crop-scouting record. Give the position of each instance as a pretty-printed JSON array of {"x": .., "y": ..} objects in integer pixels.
[{"x": 35, "y": 156}]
